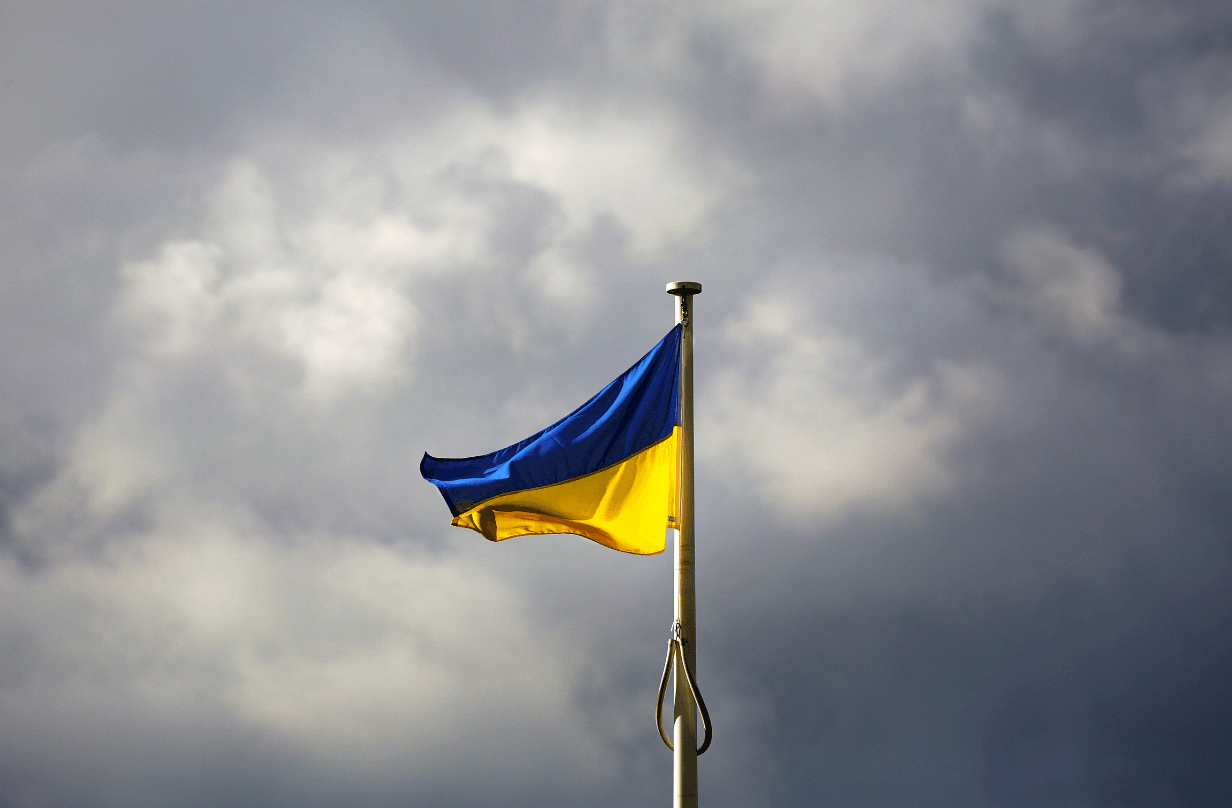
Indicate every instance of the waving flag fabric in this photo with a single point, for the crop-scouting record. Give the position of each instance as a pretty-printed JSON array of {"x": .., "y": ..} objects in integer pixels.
[{"x": 606, "y": 471}]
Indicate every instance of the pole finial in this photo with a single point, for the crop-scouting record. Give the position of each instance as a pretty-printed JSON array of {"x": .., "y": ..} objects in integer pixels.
[{"x": 684, "y": 288}]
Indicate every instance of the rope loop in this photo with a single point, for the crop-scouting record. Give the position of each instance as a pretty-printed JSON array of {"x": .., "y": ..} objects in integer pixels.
[{"x": 675, "y": 651}]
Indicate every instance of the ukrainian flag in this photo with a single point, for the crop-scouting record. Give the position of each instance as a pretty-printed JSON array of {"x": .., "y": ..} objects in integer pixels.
[{"x": 607, "y": 471}]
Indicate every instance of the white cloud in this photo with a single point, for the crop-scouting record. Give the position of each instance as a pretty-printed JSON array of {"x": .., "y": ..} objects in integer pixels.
[
  {"x": 354, "y": 656},
  {"x": 1072, "y": 291},
  {"x": 634, "y": 167},
  {"x": 317, "y": 262},
  {"x": 826, "y": 49},
  {"x": 830, "y": 51},
  {"x": 817, "y": 424},
  {"x": 303, "y": 294},
  {"x": 1076, "y": 286},
  {"x": 256, "y": 279}
]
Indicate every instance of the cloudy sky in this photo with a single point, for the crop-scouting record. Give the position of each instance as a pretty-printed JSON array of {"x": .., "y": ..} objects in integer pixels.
[{"x": 964, "y": 398}]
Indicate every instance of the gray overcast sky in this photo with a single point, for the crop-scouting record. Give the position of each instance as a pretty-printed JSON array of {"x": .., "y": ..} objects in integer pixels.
[{"x": 964, "y": 398}]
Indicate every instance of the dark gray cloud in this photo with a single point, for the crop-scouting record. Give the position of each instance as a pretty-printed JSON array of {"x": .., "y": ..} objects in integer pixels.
[{"x": 963, "y": 382}]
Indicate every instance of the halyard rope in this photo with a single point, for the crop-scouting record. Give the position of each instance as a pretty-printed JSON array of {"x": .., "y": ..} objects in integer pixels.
[{"x": 675, "y": 650}]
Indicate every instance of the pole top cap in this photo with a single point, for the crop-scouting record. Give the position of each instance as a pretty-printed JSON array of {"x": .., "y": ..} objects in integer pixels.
[{"x": 683, "y": 288}]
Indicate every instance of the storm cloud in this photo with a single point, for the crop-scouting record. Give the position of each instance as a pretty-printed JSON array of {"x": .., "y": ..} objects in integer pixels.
[{"x": 964, "y": 398}]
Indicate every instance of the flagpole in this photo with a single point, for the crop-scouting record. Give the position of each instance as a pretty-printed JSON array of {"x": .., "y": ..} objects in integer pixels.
[{"x": 684, "y": 754}]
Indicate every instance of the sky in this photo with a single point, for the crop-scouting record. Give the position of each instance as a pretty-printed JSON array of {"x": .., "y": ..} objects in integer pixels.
[{"x": 963, "y": 398}]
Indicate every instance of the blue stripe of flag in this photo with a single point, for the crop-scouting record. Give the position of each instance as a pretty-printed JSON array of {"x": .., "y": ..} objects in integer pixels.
[{"x": 636, "y": 410}]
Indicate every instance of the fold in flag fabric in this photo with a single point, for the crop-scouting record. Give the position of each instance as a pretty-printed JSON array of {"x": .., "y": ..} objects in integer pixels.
[{"x": 607, "y": 471}]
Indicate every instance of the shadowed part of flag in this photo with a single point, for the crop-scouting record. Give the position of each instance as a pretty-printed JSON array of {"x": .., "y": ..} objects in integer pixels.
[{"x": 606, "y": 471}]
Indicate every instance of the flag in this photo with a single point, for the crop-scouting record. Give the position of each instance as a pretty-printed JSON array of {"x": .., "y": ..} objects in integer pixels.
[{"x": 606, "y": 471}]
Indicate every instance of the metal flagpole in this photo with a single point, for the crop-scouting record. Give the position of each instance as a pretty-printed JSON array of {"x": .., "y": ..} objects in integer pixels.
[{"x": 684, "y": 752}]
